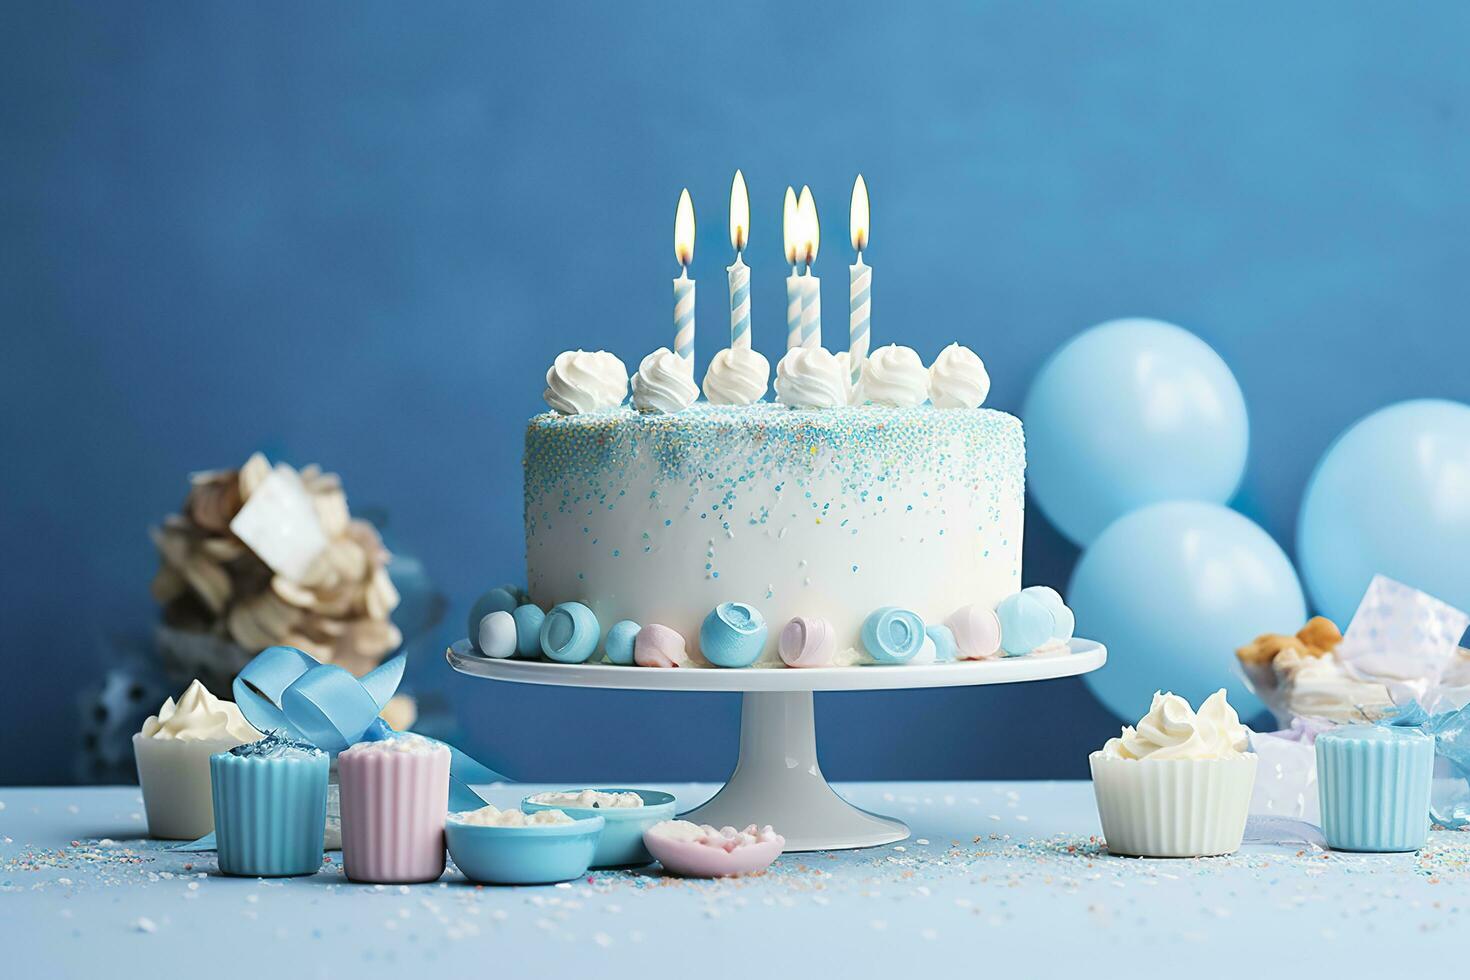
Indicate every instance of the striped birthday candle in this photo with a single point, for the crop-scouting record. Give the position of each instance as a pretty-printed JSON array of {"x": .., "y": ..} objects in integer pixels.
[
  {"x": 859, "y": 295},
  {"x": 684, "y": 286},
  {"x": 684, "y": 317},
  {"x": 860, "y": 281},
  {"x": 739, "y": 303},
  {"x": 811, "y": 311}
]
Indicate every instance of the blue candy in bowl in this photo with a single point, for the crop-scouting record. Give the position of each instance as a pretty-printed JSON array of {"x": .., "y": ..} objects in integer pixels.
[
  {"x": 525, "y": 854},
  {"x": 621, "y": 844}
]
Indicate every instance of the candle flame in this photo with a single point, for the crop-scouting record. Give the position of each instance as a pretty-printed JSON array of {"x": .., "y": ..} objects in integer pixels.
[
  {"x": 790, "y": 225},
  {"x": 811, "y": 230},
  {"x": 684, "y": 229},
  {"x": 858, "y": 215},
  {"x": 739, "y": 213}
]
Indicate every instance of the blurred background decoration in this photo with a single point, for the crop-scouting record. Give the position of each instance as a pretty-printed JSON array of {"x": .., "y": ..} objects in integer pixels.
[{"x": 359, "y": 232}]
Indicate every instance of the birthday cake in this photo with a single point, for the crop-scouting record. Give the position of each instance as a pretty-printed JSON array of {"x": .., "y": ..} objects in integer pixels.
[
  {"x": 871, "y": 513},
  {"x": 819, "y": 514}
]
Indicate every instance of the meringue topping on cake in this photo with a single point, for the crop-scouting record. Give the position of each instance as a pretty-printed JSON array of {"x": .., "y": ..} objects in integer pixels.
[
  {"x": 957, "y": 379},
  {"x": 737, "y": 376},
  {"x": 580, "y": 381},
  {"x": 811, "y": 377},
  {"x": 894, "y": 376},
  {"x": 664, "y": 383}
]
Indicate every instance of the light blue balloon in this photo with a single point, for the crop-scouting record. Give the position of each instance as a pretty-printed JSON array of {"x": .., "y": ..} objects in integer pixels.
[
  {"x": 1391, "y": 496},
  {"x": 1172, "y": 590},
  {"x": 1130, "y": 413}
]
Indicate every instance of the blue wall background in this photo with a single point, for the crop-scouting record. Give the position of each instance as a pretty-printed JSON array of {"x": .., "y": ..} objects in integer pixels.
[{"x": 357, "y": 233}]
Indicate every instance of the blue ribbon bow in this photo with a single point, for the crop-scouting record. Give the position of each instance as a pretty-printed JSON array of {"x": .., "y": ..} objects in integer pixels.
[
  {"x": 287, "y": 690},
  {"x": 1451, "y": 732}
]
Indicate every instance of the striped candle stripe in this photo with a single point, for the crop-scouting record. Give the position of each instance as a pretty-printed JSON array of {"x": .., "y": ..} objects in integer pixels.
[
  {"x": 739, "y": 304},
  {"x": 811, "y": 311},
  {"x": 859, "y": 304},
  {"x": 684, "y": 318},
  {"x": 793, "y": 311}
]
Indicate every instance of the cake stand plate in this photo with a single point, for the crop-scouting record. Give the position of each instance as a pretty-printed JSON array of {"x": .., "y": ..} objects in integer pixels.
[{"x": 777, "y": 779}]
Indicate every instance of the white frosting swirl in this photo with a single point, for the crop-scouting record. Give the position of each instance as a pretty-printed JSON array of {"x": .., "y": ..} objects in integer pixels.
[
  {"x": 810, "y": 377},
  {"x": 199, "y": 716},
  {"x": 737, "y": 376},
  {"x": 894, "y": 376},
  {"x": 1171, "y": 730},
  {"x": 664, "y": 383},
  {"x": 957, "y": 379},
  {"x": 582, "y": 381}
]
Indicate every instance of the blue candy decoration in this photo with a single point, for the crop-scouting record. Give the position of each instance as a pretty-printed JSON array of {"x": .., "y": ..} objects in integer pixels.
[
  {"x": 892, "y": 635},
  {"x": 528, "y": 630},
  {"x": 569, "y": 633},
  {"x": 1025, "y": 623},
  {"x": 945, "y": 648},
  {"x": 618, "y": 647},
  {"x": 1065, "y": 623},
  {"x": 501, "y": 599},
  {"x": 733, "y": 635}
]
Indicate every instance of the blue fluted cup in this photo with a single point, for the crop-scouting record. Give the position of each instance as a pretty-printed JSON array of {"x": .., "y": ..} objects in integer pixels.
[
  {"x": 270, "y": 809},
  {"x": 1374, "y": 782}
]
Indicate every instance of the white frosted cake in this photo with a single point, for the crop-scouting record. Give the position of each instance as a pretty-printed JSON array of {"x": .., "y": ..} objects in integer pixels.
[
  {"x": 821, "y": 514},
  {"x": 869, "y": 514}
]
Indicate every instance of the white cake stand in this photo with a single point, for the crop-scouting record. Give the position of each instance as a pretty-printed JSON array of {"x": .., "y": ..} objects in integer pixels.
[{"x": 777, "y": 780}]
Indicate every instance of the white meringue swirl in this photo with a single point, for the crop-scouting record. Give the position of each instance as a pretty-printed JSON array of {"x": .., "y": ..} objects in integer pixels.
[
  {"x": 664, "y": 383},
  {"x": 958, "y": 379},
  {"x": 1171, "y": 730},
  {"x": 580, "y": 381},
  {"x": 737, "y": 376},
  {"x": 894, "y": 376},
  {"x": 810, "y": 377}
]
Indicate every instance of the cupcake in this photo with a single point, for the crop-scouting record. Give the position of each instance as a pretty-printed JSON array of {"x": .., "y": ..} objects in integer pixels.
[
  {"x": 1374, "y": 784},
  {"x": 1177, "y": 785},
  {"x": 395, "y": 795},
  {"x": 173, "y": 751},
  {"x": 270, "y": 806}
]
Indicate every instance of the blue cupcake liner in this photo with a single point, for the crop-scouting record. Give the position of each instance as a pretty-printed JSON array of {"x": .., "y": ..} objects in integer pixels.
[
  {"x": 1374, "y": 788},
  {"x": 269, "y": 813}
]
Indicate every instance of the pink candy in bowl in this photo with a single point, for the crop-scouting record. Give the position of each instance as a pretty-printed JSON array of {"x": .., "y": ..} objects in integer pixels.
[{"x": 695, "y": 851}]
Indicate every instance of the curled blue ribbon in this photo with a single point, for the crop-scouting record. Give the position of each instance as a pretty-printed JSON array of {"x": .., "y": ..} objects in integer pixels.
[
  {"x": 1451, "y": 733},
  {"x": 287, "y": 690}
]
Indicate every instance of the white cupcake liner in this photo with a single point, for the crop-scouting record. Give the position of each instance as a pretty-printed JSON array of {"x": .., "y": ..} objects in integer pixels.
[
  {"x": 174, "y": 776},
  {"x": 1173, "y": 807}
]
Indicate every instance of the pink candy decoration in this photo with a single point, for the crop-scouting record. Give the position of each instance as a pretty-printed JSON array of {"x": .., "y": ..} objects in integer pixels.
[
  {"x": 807, "y": 642},
  {"x": 659, "y": 646},
  {"x": 976, "y": 631},
  {"x": 393, "y": 810},
  {"x": 718, "y": 856}
]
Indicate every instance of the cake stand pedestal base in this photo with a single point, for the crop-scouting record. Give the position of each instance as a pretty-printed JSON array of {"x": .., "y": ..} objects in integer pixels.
[{"x": 778, "y": 781}]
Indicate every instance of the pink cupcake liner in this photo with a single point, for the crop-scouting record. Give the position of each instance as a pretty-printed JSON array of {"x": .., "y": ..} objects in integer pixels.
[{"x": 393, "y": 810}]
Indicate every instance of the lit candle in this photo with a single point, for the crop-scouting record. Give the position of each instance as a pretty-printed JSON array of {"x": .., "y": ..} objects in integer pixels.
[
  {"x": 684, "y": 286},
  {"x": 739, "y": 272},
  {"x": 859, "y": 283},
  {"x": 790, "y": 228},
  {"x": 811, "y": 293}
]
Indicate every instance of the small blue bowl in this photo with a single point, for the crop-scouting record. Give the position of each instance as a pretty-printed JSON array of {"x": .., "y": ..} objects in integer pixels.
[
  {"x": 540, "y": 854},
  {"x": 621, "y": 845}
]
